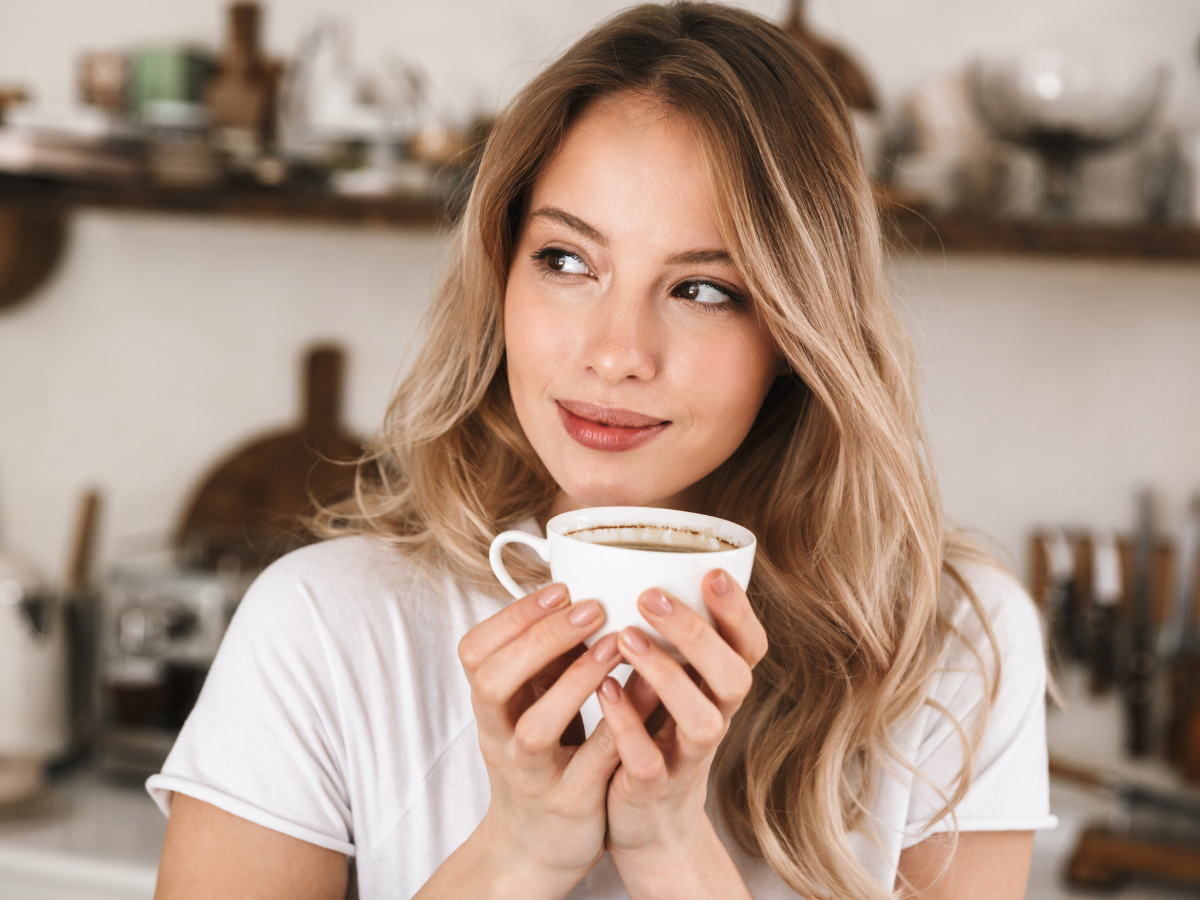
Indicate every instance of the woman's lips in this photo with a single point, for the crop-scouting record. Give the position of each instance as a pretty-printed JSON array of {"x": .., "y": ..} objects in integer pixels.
[{"x": 604, "y": 428}]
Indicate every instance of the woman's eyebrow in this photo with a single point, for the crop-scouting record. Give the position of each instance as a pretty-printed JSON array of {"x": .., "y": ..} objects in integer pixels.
[
  {"x": 576, "y": 224},
  {"x": 700, "y": 257}
]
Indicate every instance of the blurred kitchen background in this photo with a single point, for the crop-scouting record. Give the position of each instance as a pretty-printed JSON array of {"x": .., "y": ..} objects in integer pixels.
[{"x": 219, "y": 228}]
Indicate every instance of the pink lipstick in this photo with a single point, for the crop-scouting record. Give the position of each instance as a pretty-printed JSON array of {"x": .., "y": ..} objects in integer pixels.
[{"x": 608, "y": 428}]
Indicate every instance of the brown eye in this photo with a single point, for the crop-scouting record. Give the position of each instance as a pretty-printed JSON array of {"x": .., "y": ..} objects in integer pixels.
[
  {"x": 562, "y": 261},
  {"x": 703, "y": 292}
]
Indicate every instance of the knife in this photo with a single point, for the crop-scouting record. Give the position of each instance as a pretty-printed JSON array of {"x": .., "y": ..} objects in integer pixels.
[{"x": 1140, "y": 661}]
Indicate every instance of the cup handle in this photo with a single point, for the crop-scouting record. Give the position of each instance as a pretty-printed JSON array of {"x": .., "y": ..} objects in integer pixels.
[{"x": 500, "y": 541}]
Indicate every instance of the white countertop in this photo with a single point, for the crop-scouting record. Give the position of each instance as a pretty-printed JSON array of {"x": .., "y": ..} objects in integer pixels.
[
  {"x": 95, "y": 840},
  {"x": 90, "y": 840},
  {"x": 1089, "y": 731}
]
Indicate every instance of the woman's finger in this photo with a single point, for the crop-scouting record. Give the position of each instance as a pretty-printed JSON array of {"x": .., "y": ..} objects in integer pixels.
[
  {"x": 645, "y": 701},
  {"x": 500, "y": 676},
  {"x": 542, "y": 725},
  {"x": 724, "y": 671},
  {"x": 699, "y": 725},
  {"x": 734, "y": 615},
  {"x": 493, "y": 633},
  {"x": 641, "y": 757}
]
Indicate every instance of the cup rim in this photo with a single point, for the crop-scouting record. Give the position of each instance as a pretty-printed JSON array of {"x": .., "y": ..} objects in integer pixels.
[{"x": 608, "y": 516}]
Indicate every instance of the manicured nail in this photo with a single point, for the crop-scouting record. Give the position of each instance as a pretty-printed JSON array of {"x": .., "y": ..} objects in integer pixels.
[
  {"x": 635, "y": 640},
  {"x": 721, "y": 585},
  {"x": 657, "y": 602},
  {"x": 611, "y": 690},
  {"x": 584, "y": 612},
  {"x": 552, "y": 596},
  {"x": 605, "y": 649}
]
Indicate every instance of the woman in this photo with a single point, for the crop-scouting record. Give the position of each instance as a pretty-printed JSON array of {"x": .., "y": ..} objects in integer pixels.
[{"x": 666, "y": 292}]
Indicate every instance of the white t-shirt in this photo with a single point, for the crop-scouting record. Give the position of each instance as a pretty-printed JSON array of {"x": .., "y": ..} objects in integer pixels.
[{"x": 337, "y": 712}]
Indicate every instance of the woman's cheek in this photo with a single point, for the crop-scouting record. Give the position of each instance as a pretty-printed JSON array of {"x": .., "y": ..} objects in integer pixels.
[
  {"x": 729, "y": 379},
  {"x": 537, "y": 340}
]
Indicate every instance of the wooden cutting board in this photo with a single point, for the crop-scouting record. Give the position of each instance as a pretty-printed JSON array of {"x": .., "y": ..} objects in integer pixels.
[
  {"x": 847, "y": 74},
  {"x": 31, "y": 243},
  {"x": 251, "y": 504}
]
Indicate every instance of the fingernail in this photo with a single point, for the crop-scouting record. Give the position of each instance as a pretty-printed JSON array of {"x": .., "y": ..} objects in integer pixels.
[
  {"x": 635, "y": 640},
  {"x": 584, "y": 613},
  {"x": 657, "y": 602},
  {"x": 552, "y": 596},
  {"x": 610, "y": 689},
  {"x": 721, "y": 585},
  {"x": 605, "y": 649}
]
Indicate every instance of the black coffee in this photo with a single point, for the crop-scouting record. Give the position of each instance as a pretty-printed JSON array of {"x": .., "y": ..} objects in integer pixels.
[
  {"x": 657, "y": 538},
  {"x": 662, "y": 548}
]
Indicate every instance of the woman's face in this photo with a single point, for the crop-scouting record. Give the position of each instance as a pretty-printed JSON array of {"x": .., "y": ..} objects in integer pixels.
[{"x": 635, "y": 360}]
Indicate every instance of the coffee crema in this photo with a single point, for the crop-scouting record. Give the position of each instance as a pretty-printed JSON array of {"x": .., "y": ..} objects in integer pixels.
[{"x": 659, "y": 538}]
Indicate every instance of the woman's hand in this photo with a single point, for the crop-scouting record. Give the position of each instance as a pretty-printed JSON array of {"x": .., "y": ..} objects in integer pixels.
[
  {"x": 658, "y": 833},
  {"x": 544, "y": 828}
]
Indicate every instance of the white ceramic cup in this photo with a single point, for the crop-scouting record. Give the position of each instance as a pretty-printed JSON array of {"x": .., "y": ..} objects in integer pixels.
[{"x": 617, "y": 576}]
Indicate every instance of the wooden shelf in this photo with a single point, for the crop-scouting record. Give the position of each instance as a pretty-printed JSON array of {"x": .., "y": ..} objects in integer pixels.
[
  {"x": 909, "y": 230},
  {"x": 906, "y": 229},
  {"x": 311, "y": 204}
]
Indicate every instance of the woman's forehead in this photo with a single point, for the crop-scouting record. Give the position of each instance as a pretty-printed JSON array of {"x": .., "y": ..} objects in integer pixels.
[{"x": 632, "y": 164}]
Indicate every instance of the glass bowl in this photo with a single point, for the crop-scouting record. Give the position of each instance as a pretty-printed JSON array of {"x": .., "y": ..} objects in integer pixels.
[{"x": 1063, "y": 103}]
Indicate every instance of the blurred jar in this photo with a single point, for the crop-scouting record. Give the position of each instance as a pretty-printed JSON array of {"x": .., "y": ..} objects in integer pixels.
[
  {"x": 1188, "y": 185},
  {"x": 34, "y": 689}
]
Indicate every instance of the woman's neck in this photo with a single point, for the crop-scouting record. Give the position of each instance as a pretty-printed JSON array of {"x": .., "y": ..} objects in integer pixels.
[{"x": 690, "y": 499}]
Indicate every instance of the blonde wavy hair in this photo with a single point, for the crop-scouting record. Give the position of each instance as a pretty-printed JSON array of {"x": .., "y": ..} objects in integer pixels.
[{"x": 832, "y": 476}]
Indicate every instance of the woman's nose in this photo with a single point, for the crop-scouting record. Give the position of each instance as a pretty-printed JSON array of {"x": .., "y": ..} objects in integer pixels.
[{"x": 622, "y": 340}]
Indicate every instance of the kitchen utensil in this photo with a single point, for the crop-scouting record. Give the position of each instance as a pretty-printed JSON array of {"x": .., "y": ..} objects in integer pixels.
[
  {"x": 34, "y": 721},
  {"x": 616, "y": 576},
  {"x": 1065, "y": 103},
  {"x": 104, "y": 80},
  {"x": 1141, "y": 661},
  {"x": 250, "y": 505},
  {"x": 1179, "y": 646},
  {"x": 81, "y": 611},
  {"x": 1106, "y": 584},
  {"x": 160, "y": 626},
  {"x": 11, "y": 96},
  {"x": 173, "y": 75},
  {"x": 242, "y": 94},
  {"x": 1103, "y": 857},
  {"x": 31, "y": 242}
]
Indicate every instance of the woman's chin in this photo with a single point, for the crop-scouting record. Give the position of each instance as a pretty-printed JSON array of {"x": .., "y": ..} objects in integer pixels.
[{"x": 607, "y": 494}]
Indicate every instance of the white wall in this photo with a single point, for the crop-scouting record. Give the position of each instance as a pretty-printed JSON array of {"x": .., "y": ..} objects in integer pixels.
[
  {"x": 1054, "y": 387},
  {"x": 164, "y": 341}
]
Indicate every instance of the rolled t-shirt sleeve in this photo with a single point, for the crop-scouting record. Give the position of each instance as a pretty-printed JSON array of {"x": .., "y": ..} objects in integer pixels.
[
  {"x": 264, "y": 741},
  {"x": 1009, "y": 784}
]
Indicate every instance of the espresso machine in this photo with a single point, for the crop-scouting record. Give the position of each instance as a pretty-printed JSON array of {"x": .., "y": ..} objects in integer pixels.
[
  {"x": 160, "y": 626},
  {"x": 164, "y": 611}
]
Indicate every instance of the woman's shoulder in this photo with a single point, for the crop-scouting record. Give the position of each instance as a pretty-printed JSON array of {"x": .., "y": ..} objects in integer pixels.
[
  {"x": 986, "y": 697},
  {"x": 347, "y": 584},
  {"x": 994, "y": 656},
  {"x": 984, "y": 602},
  {"x": 353, "y": 563}
]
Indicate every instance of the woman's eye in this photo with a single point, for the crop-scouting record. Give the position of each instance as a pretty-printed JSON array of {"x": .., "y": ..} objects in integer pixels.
[
  {"x": 703, "y": 292},
  {"x": 562, "y": 261}
]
